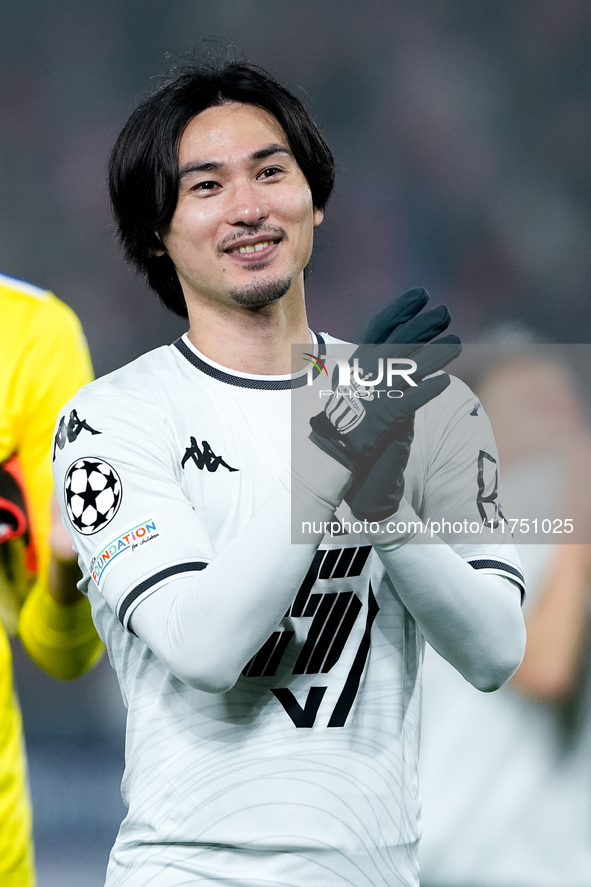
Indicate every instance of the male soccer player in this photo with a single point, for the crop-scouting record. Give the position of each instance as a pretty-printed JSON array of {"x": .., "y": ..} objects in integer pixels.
[
  {"x": 44, "y": 360},
  {"x": 273, "y": 688}
]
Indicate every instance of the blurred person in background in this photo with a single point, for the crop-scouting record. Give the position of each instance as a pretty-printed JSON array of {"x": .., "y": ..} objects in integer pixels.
[
  {"x": 505, "y": 778},
  {"x": 44, "y": 359}
]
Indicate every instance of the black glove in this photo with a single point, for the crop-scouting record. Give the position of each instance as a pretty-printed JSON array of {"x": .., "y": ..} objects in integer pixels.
[
  {"x": 393, "y": 324},
  {"x": 372, "y": 435},
  {"x": 357, "y": 419}
]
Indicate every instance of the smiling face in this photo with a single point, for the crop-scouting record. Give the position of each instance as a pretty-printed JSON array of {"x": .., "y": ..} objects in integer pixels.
[{"x": 241, "y": 233}]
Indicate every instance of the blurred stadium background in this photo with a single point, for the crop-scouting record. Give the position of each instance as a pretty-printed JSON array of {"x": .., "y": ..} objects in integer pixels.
[{"x": 461, "y": 130}]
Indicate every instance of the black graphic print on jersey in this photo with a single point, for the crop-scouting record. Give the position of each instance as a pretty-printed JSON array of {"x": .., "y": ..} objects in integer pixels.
[
  {"x": 68, "y": 432},
  {"x": 204, "y": 457},
  {"x": 488, "y": 490},
  {"x": 333, "y": 615}
]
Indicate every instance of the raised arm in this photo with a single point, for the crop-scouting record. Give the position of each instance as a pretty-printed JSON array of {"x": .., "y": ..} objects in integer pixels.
[{"x": 464, "y": 592}]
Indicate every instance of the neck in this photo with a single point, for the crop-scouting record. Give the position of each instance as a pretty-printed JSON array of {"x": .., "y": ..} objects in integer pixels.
[{"x": 250, "y": 340}]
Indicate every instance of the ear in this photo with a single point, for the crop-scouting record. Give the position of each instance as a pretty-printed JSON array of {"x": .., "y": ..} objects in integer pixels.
[
  {"x": 159, "y": 250},
  {"x": 317, "y": 217}
]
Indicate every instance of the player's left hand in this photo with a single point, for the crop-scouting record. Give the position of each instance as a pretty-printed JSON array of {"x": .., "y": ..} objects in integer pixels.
[
  {"x": 404, "y": 321},
  {"x": 375, "y": 493}
]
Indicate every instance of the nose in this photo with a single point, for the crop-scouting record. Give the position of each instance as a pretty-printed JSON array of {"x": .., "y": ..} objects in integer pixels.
[{"x": 248, "y": 207}]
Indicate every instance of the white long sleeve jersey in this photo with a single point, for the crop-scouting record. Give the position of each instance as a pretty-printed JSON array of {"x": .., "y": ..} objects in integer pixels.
[{"x": 304, "y": 772}]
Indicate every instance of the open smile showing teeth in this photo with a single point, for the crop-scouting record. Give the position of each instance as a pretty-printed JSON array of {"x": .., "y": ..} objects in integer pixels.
[{"x": 252, "y": 247}]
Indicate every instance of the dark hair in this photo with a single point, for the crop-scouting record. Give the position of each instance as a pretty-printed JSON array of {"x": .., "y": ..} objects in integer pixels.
[{"x": 143, "y": 166}]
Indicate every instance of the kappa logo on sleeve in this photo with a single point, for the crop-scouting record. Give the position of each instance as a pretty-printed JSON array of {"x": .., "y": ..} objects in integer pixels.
[
  {"x": 93, "y": 494},
  {"x": 68, "y": 432},
  {"x": 204, "y": 457},
  {"x": 125, "y": 543}
]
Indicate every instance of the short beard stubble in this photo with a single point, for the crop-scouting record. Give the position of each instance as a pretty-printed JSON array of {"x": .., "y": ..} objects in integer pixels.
[{"x": 257, "y": 295}]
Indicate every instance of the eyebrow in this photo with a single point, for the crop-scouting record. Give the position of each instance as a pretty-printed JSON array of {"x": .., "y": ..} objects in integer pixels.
[
  {"x": 209, "y": 165},
  {"x": 269, "y": 150}
]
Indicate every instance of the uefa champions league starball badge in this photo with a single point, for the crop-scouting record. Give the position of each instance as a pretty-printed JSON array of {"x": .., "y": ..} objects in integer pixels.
[{"x": 93, "y": 494}]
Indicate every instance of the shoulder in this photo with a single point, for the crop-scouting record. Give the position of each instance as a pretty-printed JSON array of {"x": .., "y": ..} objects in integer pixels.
[
  {"x": 43, "y": 345},
  {"x": 31, "y": 314},
  {"x": 124, "y": 416},
  {"x": 23, "y": 299},
  {"x": 22, "y": 303},
  {"x": 142, "y": 385},
  {"x": 151, "y": 368},
  {"x": 457, "y": 398},
  {"x": 21, "y": 291},
  {"x": 452, "y": 427}
]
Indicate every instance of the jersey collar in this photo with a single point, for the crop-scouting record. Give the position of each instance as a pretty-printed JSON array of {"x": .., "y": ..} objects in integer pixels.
[{"x": 243, "y": 380}]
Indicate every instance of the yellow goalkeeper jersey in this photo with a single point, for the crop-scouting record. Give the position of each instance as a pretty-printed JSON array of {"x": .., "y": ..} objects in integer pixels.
[{"x": 44, "y": 359}]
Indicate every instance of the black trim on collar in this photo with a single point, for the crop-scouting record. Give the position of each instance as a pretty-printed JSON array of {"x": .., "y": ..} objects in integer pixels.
[{"x": 239, "y": 381}]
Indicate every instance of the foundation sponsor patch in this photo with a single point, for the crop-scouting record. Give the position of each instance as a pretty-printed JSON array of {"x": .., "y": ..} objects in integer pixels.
[{"x": 121, "y": 546}]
